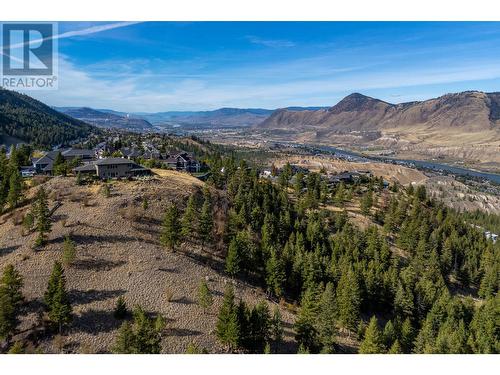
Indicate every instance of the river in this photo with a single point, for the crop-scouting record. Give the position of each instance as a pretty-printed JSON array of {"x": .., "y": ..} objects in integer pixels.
[{"x": 438, "y": 167}]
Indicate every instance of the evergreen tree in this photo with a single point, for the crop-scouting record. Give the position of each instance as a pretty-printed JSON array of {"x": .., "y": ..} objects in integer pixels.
[
  {"x": 141, "y": 337},
  {"x": 485, "y": 330},
  {"x": 206, "y": 223},
  {"x": 69, "y": 251},
  {"x": 56, "y": 299},
  {"x": 276, "y": 328},
  {"x": 145, "y": 204},
  {"x": 275, "y": 274},
  {"x": 233, "y": 258},
  {"x": 366, "y": 202},
  {"x": 407, "y": 336},
  {"x": 327, "y": 320},
  {"x": 171, "y": 227},
  {"x": 306, "y": 332},
  {"x": 15, "y": 189},
  {"x": 188, "y": 223},
  {"x": 16, "y": 348},
  {"x": 59, "y": 167},
  {"x": 373, "y": 341},
  {"x": 349, "y": 300},
  {"x": 395, "y": 348},
  {"x": 228, "y": 329},
  {"x": 121, "y": 311},
  {"x": 125, "y": 340},
  {"x": 11, "y": 299},
  {"x": 41, "y": 214},
  {"x": 205, "y": 299},
  {"x": 147, "y": 332}
]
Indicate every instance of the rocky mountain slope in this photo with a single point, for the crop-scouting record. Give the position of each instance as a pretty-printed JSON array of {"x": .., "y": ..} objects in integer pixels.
[
  {"x": 467, "y": 111},
  {"x": 463, "y": 126}
]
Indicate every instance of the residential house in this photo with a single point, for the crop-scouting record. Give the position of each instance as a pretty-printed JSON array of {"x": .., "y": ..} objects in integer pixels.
[
  {"x": 182, "y": 161},
  {"x": 44, "y": 164},
  {"x": 113, "y": 168}
]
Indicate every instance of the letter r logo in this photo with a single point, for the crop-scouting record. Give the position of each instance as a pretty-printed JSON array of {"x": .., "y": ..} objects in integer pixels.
[{"x": 27, "y": 49}]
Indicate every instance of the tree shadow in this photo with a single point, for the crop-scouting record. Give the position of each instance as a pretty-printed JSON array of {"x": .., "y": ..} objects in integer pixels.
[
  {"x": 92, "y": 238},
  {"x": 183, "y": 301},
  {"x": 97, "y": 264},
  {"x": 7, "y": 250},
  {"x": 182, "y": 332},
  {"x": 95, "y": 321},
  {"x": 80, "y": 297}
]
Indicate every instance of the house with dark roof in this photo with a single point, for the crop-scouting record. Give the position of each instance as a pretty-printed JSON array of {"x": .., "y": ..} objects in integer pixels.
[
  {"x": 44, "y": 164},
  {"x": 182, "y": 161},
  {"x": 75, "y": 153},
  {"x": 130, "y": 152},
  {"x": 113, "y": 168}
]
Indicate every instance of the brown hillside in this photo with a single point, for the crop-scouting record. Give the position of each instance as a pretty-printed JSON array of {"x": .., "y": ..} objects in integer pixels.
[{"x": 119, "y": 254}]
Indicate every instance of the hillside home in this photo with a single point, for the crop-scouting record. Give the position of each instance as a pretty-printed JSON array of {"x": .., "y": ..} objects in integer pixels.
[
  {"x": 113, "y": 168},
  {"x": 183, "y": 161}
]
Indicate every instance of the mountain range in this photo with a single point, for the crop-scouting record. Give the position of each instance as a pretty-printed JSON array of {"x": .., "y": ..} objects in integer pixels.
[
  {"x": 222, "y": 117},
  {"x": 470, "y": 111},
  {"x": 106, "y": 119}
]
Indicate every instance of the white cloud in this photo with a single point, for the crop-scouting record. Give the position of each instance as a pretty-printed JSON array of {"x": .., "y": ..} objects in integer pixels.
[
  {"x": 268, "y": 86},
  {"x": 88, "y": 31},
  {"x": 273, "y": 43}
]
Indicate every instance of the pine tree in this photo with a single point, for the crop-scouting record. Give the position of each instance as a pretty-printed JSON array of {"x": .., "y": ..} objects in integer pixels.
[
  {"x": 275, "y": 274},
  {"x": 233, "y": 258},
  {"x": 56, "y": 299},
  {"x": 205, "y": 299},
  {"x": 373, "y": 341},
  {"x": 366, "y": 202},
  {"x": 206, "y": 223},
  {"x": 59, "y": 167},
  {"x": 407, "y": 336},
  {"x": 141, "y": 337},
  {"x": 171, "y": 227},
  {"x": 327, "y": 322},
  {"x": 349, "y": 300},
  {"x": 188, "y": 223},
  {"x": 306, "y": 332},
  {"x": 125, "y": 340},
  {"x": 147, "y": 332},
  {"x": 228, "y": 329},
  {"x": 389, "y": 334},
  {"x": 276, "y": 328},
  {"x": 395, "y": 348},
  {"x": 41, "y": 213},
  {"x": 16, "y": 348},
  {"x": 120, "y": 308},
  {"x": 69, "y": 251},
  {"x": 15, "y": 189},
  {"x": 11, "y": 299}
]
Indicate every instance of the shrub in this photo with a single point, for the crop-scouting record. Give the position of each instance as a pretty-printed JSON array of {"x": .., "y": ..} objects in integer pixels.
[{"x": 120, "y": 309}]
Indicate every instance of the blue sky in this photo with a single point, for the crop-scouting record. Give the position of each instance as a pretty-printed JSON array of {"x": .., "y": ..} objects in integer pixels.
[{"x": 162, "y": 66}]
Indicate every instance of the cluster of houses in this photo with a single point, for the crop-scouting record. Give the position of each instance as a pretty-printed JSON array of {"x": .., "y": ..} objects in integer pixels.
[
  {"x": 331, "y": 178},
  {"x": 122, "y": 165}
]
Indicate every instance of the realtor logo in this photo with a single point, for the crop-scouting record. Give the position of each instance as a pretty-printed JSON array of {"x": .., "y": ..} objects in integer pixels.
[{"x": 28, "y": 51}]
